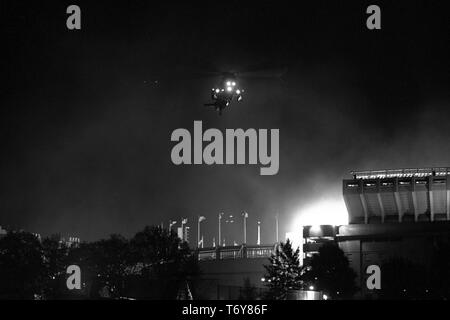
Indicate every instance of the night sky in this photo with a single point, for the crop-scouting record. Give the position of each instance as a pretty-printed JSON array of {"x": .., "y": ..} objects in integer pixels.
[{"x": 87, "y": 115}]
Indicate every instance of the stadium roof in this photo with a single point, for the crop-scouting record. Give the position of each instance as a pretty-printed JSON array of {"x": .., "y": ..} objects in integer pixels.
[{"x": 401, "y": 173}]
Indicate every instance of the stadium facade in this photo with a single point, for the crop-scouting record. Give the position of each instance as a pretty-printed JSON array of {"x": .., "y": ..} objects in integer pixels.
[{"x": 402, "y": 195}]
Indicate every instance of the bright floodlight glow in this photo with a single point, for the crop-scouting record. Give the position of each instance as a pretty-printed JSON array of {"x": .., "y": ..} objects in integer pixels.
[
  {"x": 325, "y": 297},
  {"x": 233, "y": 83},
  {"x": 238, "y": 91},
  {"x": 228, "y": 83},
  {"x": 322, "y": 212},
  {"x": 217, "y": 90},
  {"x": 229, "y": 88},
  {"x": 311, "y": 287}
]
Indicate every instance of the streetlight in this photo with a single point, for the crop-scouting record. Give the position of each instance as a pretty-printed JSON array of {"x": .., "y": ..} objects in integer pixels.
[
  {"x": 245, "y": 215},
  {"x": 220, "y": 235},
  {"x": 258, "y": 242},
  {"x": 200, "y": 219}
]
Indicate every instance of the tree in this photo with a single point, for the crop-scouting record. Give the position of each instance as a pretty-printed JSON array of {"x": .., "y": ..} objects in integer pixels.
[
  {"x": 55, "y": 262},
  {"x": 104, "y": 264},
  {"x": 167, "y": 262},
  {"x": 111, "y": 258},
  {"x": 22, "y": 268},
  {"x": 329, "y": 271},
  {"x": 283, "y": 272},
  {"x": 156, "y": 260}
]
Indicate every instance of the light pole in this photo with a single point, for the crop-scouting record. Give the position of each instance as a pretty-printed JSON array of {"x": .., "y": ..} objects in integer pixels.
[
  {"x": 220, "y": 236},
  {"x": 245, "y": 215},
  {"x": 200, "y": 219},
  {"x": 259, "y": 234}
]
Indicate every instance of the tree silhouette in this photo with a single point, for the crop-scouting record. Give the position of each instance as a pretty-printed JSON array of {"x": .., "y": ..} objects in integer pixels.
[
  {"x": 22, "y": 268},
  {"x": 329, "y": 271},
  {"x": 55, "y": 262},
  {"x": 283, "y": 272},
  {"x": 155, "y": 263},
  {"x": 105, "y": 264},
  {"x": 167, "y": 262}
]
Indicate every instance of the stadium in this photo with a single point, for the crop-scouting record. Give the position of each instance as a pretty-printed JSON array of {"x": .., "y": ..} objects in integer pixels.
[{"x": 393, "y": 214}]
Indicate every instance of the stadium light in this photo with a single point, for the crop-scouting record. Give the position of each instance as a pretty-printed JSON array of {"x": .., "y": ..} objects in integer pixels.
[{"x": 322, "y": 212}]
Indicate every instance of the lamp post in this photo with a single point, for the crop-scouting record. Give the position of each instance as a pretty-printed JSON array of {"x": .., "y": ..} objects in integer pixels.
[
  {"x": 200, "y": 219},
  {"x": 259, "y": 234},
  {"x": 245, "y": 215},
  {"x": 220, "y": 235}
]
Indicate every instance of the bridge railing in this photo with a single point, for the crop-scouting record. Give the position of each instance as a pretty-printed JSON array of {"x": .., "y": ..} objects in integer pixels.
[{"x": 235, "y": 252}]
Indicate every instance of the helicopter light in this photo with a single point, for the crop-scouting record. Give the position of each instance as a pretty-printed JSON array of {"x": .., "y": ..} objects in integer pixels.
[{"x": 229, "y": 89}]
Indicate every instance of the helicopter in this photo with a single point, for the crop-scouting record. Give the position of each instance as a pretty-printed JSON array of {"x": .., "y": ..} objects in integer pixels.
[
  {"x": 223, "y": 95},
  {"x": 228, "y": 91}
]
